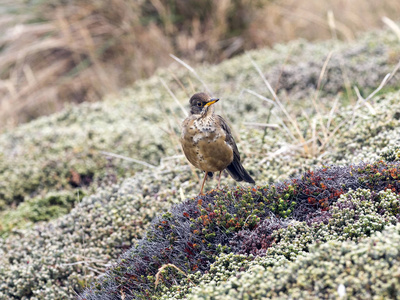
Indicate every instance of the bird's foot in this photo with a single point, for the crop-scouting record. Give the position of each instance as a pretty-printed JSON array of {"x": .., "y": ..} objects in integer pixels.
[{"x": 213, "y": 191}]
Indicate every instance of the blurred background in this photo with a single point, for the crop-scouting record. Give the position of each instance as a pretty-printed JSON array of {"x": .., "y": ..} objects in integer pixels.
[{"x": 69, "y": 51}]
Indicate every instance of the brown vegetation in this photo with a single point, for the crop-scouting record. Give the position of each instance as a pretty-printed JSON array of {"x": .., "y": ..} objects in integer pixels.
[{"x": 53, "y": 52}]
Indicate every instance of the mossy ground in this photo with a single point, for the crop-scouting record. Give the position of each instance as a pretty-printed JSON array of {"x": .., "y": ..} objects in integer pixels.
[
  {"x": 246, "y": 221},
  {"x": 311, "y": 259},
  {"x": 43, "y": 163}
]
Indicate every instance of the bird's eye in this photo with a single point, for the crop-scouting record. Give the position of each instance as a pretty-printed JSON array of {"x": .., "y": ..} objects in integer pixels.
[{"x": 198, "y": 103}]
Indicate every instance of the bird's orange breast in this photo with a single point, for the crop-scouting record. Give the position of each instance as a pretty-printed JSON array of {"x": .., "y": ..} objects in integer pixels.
[{"x": 204, "y": 145}]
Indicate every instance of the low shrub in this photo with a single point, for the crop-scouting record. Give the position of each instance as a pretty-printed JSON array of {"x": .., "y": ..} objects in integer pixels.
[
  {"x": 192, "y": 234},
  {"x": 355, "y": 216},
  {"x": 364, "y": 269}
]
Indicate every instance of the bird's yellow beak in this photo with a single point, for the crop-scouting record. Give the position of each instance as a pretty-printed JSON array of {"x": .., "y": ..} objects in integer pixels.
[{"x": 212, "y": 101}]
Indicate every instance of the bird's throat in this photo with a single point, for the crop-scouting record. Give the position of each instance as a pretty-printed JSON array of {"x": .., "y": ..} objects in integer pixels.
[{"x": 207, "y": 112}]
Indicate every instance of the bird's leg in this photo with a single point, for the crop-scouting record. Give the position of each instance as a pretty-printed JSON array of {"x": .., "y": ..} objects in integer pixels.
[
  {"x": 204, "y": 180},
  {"x": 219, "y": 180}
]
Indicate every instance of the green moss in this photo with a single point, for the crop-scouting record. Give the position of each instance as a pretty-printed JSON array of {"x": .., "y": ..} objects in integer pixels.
[
  {"x": 366, "y": 269},
  {"x": 38, "y": 209},
  {"x": 195, "y": 231},
  {"x": 356, "y": 216},
  {"x": 391, "y": 154},
  {"x": 55, "y": 259}
]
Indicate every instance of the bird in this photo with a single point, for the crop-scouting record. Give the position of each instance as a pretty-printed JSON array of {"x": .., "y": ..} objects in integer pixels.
[{"x": 208, "y": 143}]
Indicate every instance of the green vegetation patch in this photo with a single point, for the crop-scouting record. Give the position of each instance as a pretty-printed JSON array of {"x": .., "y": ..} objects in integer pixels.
[
  {"x": 193, "y": 233},
  {"x": 355, "y": 216},
  {"x": 38, "y": 209},
  {"x": 56, "y": 259},
  {"x": 63, "y": 151},
  {"x": 351, "y": 270}
]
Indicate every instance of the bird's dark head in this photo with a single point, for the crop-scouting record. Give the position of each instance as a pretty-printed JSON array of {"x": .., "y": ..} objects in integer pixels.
[{"x": 200, "y": 102}]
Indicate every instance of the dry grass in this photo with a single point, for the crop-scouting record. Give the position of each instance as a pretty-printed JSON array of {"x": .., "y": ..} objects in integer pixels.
[
  {"x": 314, "y": 144},
  {"x": 160, "y": 271},
  {"x": 53, "y": 52}
]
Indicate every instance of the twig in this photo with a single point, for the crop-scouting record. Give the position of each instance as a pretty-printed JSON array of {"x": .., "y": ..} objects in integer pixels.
[
  {"x": 260, "y": 96},
  {"x": 76, "y": 263},
  {"x": 128, "y": 159},
  {"x": 172, "y": 157},
  {"x": 321, "y": 75},
  {"x": 162, "y": 269},
  {"x": 360, "y": 98},
  {"x": 395, "y": 70},
  {"x": 383, "y": 83},
  {"x": 179, "y": 82},
  {"x": 278, "y": 102},
  {"x": 261, "y": 125},
  {"x": 182, "y": 194},
  {"x": 332, "y": 133},
  {"x": 392, "y": 25},
  {"x": 245, "y": 221},
  {"x": 334, "y": 29},
  {"x": 314, "y": 134},
  {"x": 332, "y": 23},
  {"x": 94, "y": 270},
  {"x": 328, "y": 124},
  {"x": 361, "y": 101},
  {"x": 274, "y": 95},
  {"x": 174, "y": 97},
  {"x": 83, "y": 233},
  {"x": 191, "y": 70},
  {"x": 274, "y": 103}
]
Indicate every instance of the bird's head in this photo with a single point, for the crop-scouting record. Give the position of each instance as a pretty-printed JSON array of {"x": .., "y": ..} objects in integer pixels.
[{"x": 200, "y": 103}]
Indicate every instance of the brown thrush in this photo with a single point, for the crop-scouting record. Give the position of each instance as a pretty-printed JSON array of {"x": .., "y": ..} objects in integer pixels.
[{"x": 208, "y": 143}]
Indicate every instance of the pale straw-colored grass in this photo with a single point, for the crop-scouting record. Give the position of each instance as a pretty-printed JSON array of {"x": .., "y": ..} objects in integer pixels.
[{"x": 53, "y": 52}]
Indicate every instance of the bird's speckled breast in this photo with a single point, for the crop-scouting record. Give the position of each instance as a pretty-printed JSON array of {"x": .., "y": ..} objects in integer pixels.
[{"x": 204, "y": 144}]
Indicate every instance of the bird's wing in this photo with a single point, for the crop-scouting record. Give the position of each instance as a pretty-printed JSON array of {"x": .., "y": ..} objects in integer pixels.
[
  {"x": 229, "y": 138},
  {"x": 235, "y": 169}
]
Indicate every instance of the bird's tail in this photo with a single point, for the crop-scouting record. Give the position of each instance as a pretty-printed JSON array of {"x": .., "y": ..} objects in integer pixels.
[{"x": 238, "y": 172}]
